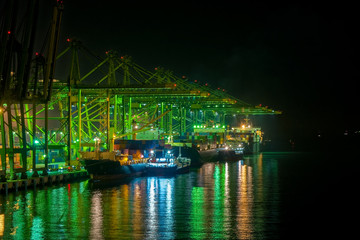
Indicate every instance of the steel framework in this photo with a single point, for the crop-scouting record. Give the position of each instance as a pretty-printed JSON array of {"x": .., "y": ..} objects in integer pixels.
[{"x": 42, "y": 119}]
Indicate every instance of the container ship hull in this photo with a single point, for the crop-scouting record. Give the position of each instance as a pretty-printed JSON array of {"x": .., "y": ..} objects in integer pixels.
[
  {"x": 220, "y": 154},
  {"x": 210, "y": 155},
  {"x": 109, "y": 169}
]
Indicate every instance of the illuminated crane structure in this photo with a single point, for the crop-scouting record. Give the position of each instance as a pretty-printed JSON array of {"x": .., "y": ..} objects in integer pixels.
[
  {"x": 20, "y": 94},
  {"x": 43, "y": 119}
]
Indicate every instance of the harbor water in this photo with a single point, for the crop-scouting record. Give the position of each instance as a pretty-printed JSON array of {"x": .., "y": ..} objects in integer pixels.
[{"x": 265, "y": 196}]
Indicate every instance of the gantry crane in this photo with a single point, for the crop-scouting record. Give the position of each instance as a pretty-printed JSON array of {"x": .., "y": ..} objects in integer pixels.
[
  {"x": 115, "y": 98},
  {"x": 20, "y": 91}
]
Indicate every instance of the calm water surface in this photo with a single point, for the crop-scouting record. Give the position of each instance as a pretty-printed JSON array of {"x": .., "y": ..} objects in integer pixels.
[{"x": 265, "y": 196}]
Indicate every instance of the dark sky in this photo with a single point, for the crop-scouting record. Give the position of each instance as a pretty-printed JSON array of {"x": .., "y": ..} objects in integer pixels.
[{"x": 301, "y": 57}]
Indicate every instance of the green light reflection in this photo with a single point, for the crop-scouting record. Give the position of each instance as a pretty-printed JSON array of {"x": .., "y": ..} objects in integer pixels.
[
  {"x": 233, "y": 200},
  {"x": 219, "y": 192},
  {"x": 197, "y": 216},
  {"x": 37, "y": 229}
]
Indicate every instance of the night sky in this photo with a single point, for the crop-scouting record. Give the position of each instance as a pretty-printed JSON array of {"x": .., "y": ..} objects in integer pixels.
[{"x": 300, "y": 58}]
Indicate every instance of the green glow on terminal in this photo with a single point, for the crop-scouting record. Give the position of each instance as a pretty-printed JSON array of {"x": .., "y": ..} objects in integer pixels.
[{"x": 214, "y": 126}]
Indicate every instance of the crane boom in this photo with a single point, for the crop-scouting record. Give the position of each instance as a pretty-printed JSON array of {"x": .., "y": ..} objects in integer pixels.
[{"x": 143, "y": 127}]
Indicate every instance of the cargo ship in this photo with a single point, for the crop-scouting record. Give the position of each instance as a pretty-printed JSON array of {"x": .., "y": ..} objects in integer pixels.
[
  {"x": 112, "y": 165},
  {"x": 212, "y": 143},
  {"x": 132, "y": 158},
  {"x": 217, "y": 142},
  {"x": 246, "y": 136},
  {"x": 129, "y": 159},
  {"x": 232, "y": 150}
]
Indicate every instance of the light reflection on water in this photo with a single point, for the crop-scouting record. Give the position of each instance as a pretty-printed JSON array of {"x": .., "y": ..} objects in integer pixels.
[
  {"x": 234, "y": 200},
  {"x": 96, "y": 216}
]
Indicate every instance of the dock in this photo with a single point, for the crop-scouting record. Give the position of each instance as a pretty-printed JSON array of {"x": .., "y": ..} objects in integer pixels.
[{"x": 53, "y": 178}]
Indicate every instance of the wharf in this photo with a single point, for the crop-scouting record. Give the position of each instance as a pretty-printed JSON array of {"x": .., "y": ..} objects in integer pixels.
[{"x": 54, "y": 177}]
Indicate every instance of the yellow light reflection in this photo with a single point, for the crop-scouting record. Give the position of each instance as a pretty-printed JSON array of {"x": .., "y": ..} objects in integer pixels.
[
  {"x": 259, "y": 193},
  {"x": 96, "y": 216},
  {"x": 124, "y": 208},
  {"x": 115, "y": 208},
  {"x": 137, "y": 223},
  {"x": 2, "y": 224},
  {"x": 245, "y": 203}
]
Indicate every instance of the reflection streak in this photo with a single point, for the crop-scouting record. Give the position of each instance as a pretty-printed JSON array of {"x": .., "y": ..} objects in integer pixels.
[
  {"x": 227, "y": 210},
  {"x": 197, "y": 213},
  {"x": 2, "y": 224},
  {"x": 245, "y": 202},
  {"x": 169, "y": 218},
  {"x": 37, "y": 229},
  {"x": 96, "y": 216},
  {"x": 136, "y": 215},
  {"x": 152, "y": 215}
]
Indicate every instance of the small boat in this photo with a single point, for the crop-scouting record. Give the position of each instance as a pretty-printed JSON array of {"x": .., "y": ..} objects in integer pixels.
[
  {"x": 183, "y": 164},
  {"x": 164, "y": 163},
  {"x": 161, "y": 163},
  {"x": 159, "y": 168}
]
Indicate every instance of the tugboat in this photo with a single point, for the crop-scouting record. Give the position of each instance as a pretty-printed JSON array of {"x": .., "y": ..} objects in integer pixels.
[
  {"x": 161, "y": 164},
  {"x": 183, "y": 163},
  {"x": 164, "y": 163}
]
